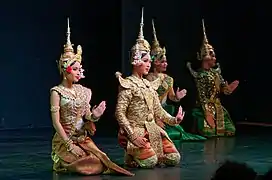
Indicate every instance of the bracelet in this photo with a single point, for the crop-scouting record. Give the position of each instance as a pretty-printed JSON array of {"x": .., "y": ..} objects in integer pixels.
[
  {"x": 91, "y": 117},
  {"x": 94, "y": 118},
  {"x": 171, "y": 121},
  {"x": 176, "y": 99},
  {"x": 132, "y": 137},
  {"x": 68, "y": 144},
  {"x": 70, "y": 148}
]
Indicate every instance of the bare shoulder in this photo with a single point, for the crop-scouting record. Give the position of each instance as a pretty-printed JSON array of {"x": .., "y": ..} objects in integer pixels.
[
  {"x": 54, "y": 93},
  {"x": 54, "y": 97}
]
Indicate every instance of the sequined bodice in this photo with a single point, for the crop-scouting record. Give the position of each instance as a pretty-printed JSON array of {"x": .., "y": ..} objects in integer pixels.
[{"x": 73, "y": 104}]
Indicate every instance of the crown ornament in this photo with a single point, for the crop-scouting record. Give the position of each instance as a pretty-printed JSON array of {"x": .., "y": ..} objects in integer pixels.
[
  {"x": 141, "y": 46},
  {"x": 68, "y": 56},
  {"x": 206, "y": 49},
  {"x": 156, "y": 50}
]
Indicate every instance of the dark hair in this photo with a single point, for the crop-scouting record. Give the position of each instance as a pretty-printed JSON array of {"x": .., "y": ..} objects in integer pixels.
[
  {"x": 234, "y": 170},
  {"x": 143, "y": 54},
  {"x": 70, "y": 64},
  {"x": 156, "y": 56}
]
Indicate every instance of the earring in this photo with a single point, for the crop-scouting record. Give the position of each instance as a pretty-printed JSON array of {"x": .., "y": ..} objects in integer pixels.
[{"x": 64, "y": 78}]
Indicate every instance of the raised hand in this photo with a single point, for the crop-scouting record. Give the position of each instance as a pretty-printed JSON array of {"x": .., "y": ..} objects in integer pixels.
[
  {"x": 180, "y": 93},
  {"x": 180, "y": 115},
  {"x": 99, "y": 110},
  {"x": 232, "y": 86}
]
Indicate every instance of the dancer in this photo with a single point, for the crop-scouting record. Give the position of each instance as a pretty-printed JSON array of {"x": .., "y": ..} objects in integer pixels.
[
  {"x": 138, "y": 107},
  {"x": 72, "y": 147},
  {"x": 165, "y": 91},
  {"x": 212, "y": 119}
]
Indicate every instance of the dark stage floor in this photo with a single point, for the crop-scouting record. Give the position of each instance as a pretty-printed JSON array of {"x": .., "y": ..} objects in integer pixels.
[{"x": 25, "y": 154}]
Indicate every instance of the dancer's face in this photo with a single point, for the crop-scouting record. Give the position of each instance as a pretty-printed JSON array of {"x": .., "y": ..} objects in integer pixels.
[
  {"x": 144, "y": 67},
  {"x": 146, "y": 64},
  {"x": 210, "y": 59},
  {"x": 73, "y": 74},
  {"x": 161, "y": 65}
]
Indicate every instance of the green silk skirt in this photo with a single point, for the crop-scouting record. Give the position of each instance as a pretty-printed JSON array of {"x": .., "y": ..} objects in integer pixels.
[
  {"x": 199, "y": 119},
  {"x": 177, "y": 132}
]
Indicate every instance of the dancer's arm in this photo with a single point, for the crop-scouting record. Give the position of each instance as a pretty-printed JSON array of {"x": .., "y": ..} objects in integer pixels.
[{"x": 55, "y": 115}]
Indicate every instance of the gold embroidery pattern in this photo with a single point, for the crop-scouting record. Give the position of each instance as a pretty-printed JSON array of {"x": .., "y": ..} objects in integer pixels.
[
  {"x": 209, "y": 85},
  {"x": 75, "y": 108},
  {"x": 137, "y": 108}
]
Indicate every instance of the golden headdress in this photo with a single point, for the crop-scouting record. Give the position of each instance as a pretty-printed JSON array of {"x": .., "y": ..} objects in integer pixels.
[
  {"x": 141, "y": 46},
  {"x": 156, "y": 50},
  {"x": 68, "y": 57},
  {"x": 206, "y": 48}
]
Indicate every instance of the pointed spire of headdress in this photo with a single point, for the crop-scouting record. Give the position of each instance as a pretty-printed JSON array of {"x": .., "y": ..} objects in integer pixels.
[
  {"x": 206, "y": 48},
  {"x": 141, "y": 44},
  {"x": 69, "y": 56},
  {"x": 68, "y": 47},
  {"x": 155, "y": 40},
  {"x": 68, "y": 32},
  {"x": 141, "y": 32},
  {"x": 156, "y": 49},
  {"x": 205, "y": 39}
]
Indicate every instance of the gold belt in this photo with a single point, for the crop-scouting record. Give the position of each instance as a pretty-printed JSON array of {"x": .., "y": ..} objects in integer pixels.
[{"x": 149, "y": 118}]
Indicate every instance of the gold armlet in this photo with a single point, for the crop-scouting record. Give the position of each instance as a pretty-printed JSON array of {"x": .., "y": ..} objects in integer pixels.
[{"x": 54, "y": 109}]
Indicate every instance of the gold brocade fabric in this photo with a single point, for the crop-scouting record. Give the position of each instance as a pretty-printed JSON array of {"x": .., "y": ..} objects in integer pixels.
[
  {"x": 74, "y": 104},
  {"x": 138, "y": 107},
  {"x": 209, "y": 86}
]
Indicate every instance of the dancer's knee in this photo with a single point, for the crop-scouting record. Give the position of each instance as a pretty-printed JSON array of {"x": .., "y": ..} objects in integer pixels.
[
  {"x": 150, "y": 162},
  {"x": 172, "y": 159}
]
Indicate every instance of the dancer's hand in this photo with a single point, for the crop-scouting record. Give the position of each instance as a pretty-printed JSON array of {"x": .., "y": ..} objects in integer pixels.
[
  {"x": 180, "y": 93},
  {"x": 180, "y": 115},
  {"x": 140, "y": 142},
  {"x": 77, "y": 150},
  {"x": 99, "y": 110},
  {"x": 232, "y": 86}
]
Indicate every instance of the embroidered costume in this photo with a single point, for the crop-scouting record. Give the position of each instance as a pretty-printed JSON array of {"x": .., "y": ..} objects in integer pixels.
[
  {"x": 77, "y": 120},
  {"x": 166, "y": 91},
  {"x": 210, "y": 84},
  {"x": 137, "y": 109}
]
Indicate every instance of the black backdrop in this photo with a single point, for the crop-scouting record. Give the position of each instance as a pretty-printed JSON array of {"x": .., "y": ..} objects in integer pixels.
[{"x": 33, "y": 33}]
